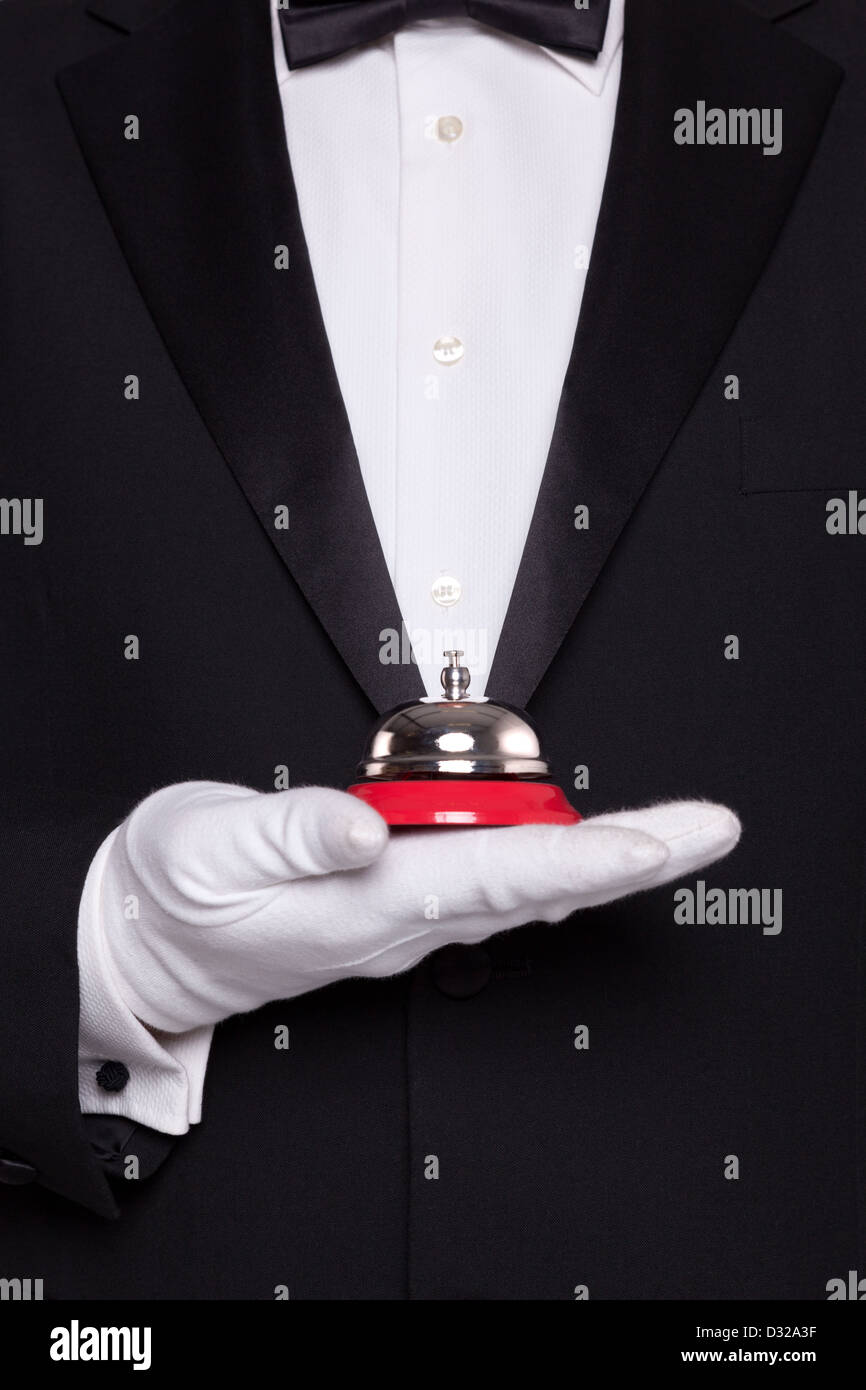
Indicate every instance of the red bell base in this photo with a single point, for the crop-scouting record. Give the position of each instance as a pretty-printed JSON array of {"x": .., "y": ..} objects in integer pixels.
[{"x": 440, "y": 801}]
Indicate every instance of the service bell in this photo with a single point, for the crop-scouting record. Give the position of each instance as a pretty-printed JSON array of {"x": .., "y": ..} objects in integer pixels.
[{"x": 459, "y": 761}]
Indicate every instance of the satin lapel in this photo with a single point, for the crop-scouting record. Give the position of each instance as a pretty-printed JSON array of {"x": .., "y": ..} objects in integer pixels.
[
  {"x": 682, "y": 236},
  {"x": 199, "y": 202}
]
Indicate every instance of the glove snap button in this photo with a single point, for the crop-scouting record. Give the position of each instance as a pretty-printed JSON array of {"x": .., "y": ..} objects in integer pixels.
[{"x": 459, "y": 972}]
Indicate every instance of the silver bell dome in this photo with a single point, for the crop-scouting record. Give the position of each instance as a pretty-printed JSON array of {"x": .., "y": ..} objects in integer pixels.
[{"x": 456, "y": 736}]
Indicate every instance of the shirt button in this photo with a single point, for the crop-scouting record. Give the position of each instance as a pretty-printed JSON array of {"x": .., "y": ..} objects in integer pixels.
[
  {"x": 446, "y": 590},
  {"x": 447, "y": 350},
  {"x": 449, "y": 129}
]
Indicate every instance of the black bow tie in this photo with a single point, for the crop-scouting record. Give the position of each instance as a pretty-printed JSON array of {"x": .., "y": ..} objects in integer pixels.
[{"x": 317, "y": 29}]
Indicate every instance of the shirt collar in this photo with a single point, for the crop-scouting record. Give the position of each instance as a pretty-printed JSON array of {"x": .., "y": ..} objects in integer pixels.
[{"x": 590, "y": 72}]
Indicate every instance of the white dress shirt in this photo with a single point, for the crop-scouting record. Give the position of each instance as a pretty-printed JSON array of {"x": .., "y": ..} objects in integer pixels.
[{"x": 449, "y": 180}]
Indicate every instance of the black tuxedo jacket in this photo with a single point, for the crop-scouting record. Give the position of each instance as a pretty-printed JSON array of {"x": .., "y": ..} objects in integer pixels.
[{"x": 605, "y": 1168}]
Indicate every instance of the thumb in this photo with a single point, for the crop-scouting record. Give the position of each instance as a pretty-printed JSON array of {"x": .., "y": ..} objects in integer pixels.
[{"x": 212, "y": 839}]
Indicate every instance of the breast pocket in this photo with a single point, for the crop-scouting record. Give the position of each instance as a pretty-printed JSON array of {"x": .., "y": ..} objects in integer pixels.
[{"x": 789, "y": 455}]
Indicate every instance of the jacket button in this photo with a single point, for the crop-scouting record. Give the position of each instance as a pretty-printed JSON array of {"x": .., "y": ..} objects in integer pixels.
[
  {"x": 461, "y": 971},
  {"x": 15, "y": 1172}
]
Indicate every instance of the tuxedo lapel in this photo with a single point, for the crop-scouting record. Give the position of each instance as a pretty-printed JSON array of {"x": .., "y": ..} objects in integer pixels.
[
  {"x": 683, "y": 234},
  {"x": 199, "y": 202}
]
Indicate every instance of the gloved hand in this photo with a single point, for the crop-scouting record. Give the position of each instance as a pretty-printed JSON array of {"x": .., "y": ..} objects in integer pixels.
[{"x": 244, "y": 897}]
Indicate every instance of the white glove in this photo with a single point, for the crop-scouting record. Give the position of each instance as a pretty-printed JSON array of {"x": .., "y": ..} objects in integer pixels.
[{"x": 245, "y": 897}]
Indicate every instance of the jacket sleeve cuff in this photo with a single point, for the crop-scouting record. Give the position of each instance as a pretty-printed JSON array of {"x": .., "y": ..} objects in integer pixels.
[{"x": 124, "y": 1149}]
